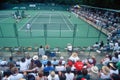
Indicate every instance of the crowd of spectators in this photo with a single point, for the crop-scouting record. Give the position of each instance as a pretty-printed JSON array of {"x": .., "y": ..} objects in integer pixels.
[
  {"x": 43, "y": 68},
  {"x": 105, "y": 19}
]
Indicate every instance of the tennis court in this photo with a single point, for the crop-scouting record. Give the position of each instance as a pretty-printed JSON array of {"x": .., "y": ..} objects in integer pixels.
[{"x": 56, "y": 28}]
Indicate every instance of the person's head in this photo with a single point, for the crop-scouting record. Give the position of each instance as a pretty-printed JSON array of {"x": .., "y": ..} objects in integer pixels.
[
  {"x": 40, "y": 73},
  {"x": 41, "y": 46},
  {"x": 38, "y": 63},
  {"x": 49, "y": 63},
  {"x": 84, "y": 71},
  {"x": 116, "y": 55},
  {"x": 23, "y": 60},
  {"x": 68, "y": 69},
  {"x": 105, "y": 70},
  {"x": 28, "y": 56},
  {"x": 14, "y": 70},
  {"x": 10, "y": 58},
  {"x": 11, "y": 65}
]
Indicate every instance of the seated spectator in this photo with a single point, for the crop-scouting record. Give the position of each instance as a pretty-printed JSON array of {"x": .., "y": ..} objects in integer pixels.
[
  {"x": 69, "y": 75},
  {"x": 44, "y": 60},
  {"x": 104, "y": 73},
  {"x": 118, "y": 66},
  {"x": 113, "y": 69},
  {"x": 115, "y": 76},
  {"x": 48, "y": 67},
  {"x": 15, "y": 74},
  {"x": 83, "y": 75},
  {"x": 74, "y": 57},
  {"x": 47, "y": 50},
  {"x": 11, "y": 60},
  {"x": 53, "y": 76},
  {"x": 94, "y": 73},
  {"x": 40, "y": 76},
  {"x": 3, "y": 62},
  {"x": 115, "y": 58},
  {"x": 62, "y": 60},
  {"x": 105, "y": 60},
  {"x": 60, "y": 67},
  {"x": 54, "y": 61},
  {"x": 28, "y": 59},
  {"x": 23, "y": 65},
  {"x": 61, "y": 75}
]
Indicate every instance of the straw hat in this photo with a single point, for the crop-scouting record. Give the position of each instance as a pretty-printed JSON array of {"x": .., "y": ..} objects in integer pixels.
[
  {"x": 35, "y": 57},
  {"x": 94, "y": 69},
  {"x": 105, "y": 70},
  {"x": 44, "y": 57}
]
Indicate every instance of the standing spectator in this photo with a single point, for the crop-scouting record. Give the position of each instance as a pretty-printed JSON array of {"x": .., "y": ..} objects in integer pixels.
[{"x": 41, "y": 51}]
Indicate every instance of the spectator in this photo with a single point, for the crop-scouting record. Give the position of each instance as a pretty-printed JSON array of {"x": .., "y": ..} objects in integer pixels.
[
  {"x": 44, "y": 60},
  {"x": 94, "y": 73},
  {"x": 23, "y": 65},
  {"x": 49, "y": 67},
  {"x": 69, "y": 75},
  {"x": 104, "y": 73},
  {"x": 41, "y": 51},
  {"x": 83, "y": 75},
  {"x": 54, "y": 61},
  {"x": 61, "y": 75},
  {"x": 40, "y": 76},
  {"x": 15, "y": 74},
  {"x": 74, "y": 57},
  {"x": 53, "y": 76},
  {"x": 60, "y": 67}
]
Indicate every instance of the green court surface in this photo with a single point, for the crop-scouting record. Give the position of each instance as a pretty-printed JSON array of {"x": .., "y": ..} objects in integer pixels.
[{"x": 56, "y": 28}]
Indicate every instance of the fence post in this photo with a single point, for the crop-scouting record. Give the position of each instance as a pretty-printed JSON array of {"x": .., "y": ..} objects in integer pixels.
[
  {"x": 74, "y": 33},
  {"x": 16, "y": 34},
  {"x": 1, "y": 31},
  {"x": 45, "y": 33}
]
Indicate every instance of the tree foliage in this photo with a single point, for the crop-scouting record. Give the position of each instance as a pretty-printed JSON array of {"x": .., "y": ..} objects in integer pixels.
[{"x": 97, "y": 3}]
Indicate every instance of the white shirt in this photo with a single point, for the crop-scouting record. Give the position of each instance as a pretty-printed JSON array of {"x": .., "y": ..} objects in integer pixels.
[
  {"x": 114, "y": 71},
  {"x": 28, "y": 26},
  {"x": 103, "y": 76},
  {"x": 60, "y": 68},
  {"x": 16, "y": 76},
  {"x": 69, "y": 76},
  {"x": 56, "y": 77},
  {"x": 74, "y": 58},
  {"x": 23, "y": 66}
]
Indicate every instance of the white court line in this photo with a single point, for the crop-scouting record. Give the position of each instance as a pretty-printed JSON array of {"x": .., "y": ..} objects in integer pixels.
[
  {"x": 72, "y": 23},
  {"x": 4, "y": 19},
  {"x": 65, "y": 22},
  {"x": 26, "y": 22}
]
